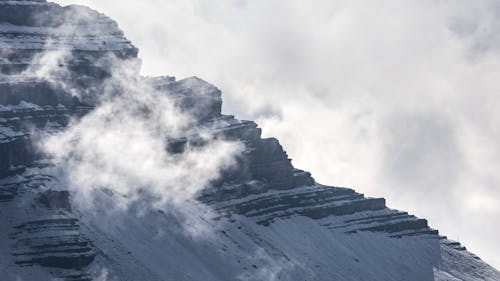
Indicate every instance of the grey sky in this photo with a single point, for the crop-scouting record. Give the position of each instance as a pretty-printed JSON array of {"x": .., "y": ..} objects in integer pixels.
[{"x": 398, "y": 99}]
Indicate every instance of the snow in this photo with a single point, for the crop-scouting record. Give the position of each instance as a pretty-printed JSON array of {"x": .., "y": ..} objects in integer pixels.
[
  {"x": 99, "y": 33},
  {"x": 297, "y": 248},
  {"x": 191, "y": 242},
  {"x": 32, "y": 2},
  {"x": 152, "y": 245},
  {"x": 143, "y": 243},
  {"x": 462, "y": 265},
  {"x": 35, "y": 38},
  {"x": 23, "y": 105},
  {"x": 7, "y": 134}
]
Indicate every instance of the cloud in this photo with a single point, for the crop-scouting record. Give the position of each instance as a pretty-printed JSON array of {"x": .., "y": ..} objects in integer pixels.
[
  {"x": 120, "y": 146},
  {"x": 397, "y": 99}
]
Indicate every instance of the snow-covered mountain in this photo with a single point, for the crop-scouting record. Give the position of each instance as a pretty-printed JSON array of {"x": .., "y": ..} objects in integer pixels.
[{"x": 257, "y": 219}]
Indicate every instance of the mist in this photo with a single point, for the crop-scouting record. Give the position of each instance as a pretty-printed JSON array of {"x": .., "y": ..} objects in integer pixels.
[
  {"x": 119, "y": 147},
  {"x": 396, "y": 99}
]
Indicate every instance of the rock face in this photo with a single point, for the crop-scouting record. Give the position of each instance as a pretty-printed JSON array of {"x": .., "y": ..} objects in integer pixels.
[
  {"x": 31, "y": 27},
  {"x": 272, "y": 221},
  {"x": 79, "y": 40}
]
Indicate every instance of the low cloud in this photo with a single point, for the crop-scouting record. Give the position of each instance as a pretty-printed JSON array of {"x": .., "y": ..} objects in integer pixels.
[
  {"x": 121, "y": 146},
  {"x": 397, "y": 100}
]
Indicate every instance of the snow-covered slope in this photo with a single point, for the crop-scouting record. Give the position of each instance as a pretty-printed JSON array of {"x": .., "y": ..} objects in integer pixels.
[
  {"x": 28, "y": 27},
  {"x": 262, "y": 219}
]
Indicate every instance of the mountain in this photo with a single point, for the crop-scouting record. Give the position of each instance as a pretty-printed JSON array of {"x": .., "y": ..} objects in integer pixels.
[{"x": 256, "y": 218}]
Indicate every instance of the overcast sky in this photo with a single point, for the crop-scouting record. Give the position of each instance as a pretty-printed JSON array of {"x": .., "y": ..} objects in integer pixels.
[{"x": 397, "y": 99}]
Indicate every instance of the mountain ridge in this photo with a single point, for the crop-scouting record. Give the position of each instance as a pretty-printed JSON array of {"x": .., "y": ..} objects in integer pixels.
[{"x": 260, "y": 219}]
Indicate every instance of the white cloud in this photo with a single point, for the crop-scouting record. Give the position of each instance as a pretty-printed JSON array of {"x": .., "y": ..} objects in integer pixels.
[
  {"x": 396, "y": 98},
  {"x": 121, "y": 144}
]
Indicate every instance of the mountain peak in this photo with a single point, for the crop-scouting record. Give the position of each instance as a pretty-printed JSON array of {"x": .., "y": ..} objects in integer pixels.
[{"x": 250, "y": 214}]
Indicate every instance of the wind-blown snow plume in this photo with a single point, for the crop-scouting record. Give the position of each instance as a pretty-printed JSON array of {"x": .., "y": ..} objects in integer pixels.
[
  {"x": 409, "y": 91},
  {"x": 121, "y": 146}
]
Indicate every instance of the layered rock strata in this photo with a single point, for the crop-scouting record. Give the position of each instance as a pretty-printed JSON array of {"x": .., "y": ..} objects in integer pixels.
[{"x": 262, "y": 203}]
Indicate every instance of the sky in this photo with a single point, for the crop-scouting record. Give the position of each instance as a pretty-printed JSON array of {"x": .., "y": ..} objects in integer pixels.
[{"x": 396, "y": 99}]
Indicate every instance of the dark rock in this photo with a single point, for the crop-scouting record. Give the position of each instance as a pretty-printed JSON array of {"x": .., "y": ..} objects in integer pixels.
[
  {"x": 53, "y": 243},
  {"x": 193, "y": 95},
  {"x": 51, "y": 199},
  {"x": 263, "y": 185}
]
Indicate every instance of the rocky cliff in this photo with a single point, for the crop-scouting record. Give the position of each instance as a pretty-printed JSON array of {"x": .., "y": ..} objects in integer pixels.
[{"x": 271, "y": 221}]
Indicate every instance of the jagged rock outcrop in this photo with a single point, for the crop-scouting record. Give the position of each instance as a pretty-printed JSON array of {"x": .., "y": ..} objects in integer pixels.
[{"x": 271, "y": 219}]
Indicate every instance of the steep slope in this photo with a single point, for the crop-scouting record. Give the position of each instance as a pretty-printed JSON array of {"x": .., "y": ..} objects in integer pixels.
[
  {"x": 40, "y": 39},
  {"x": 262, "y": 219}
]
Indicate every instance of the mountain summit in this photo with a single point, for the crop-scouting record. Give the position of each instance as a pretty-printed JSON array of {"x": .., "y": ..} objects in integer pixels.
[{"x": 108, "y": 175}]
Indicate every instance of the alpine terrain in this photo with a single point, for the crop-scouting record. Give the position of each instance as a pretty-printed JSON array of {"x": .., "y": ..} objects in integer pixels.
[{"x": 166, "y": 187}]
